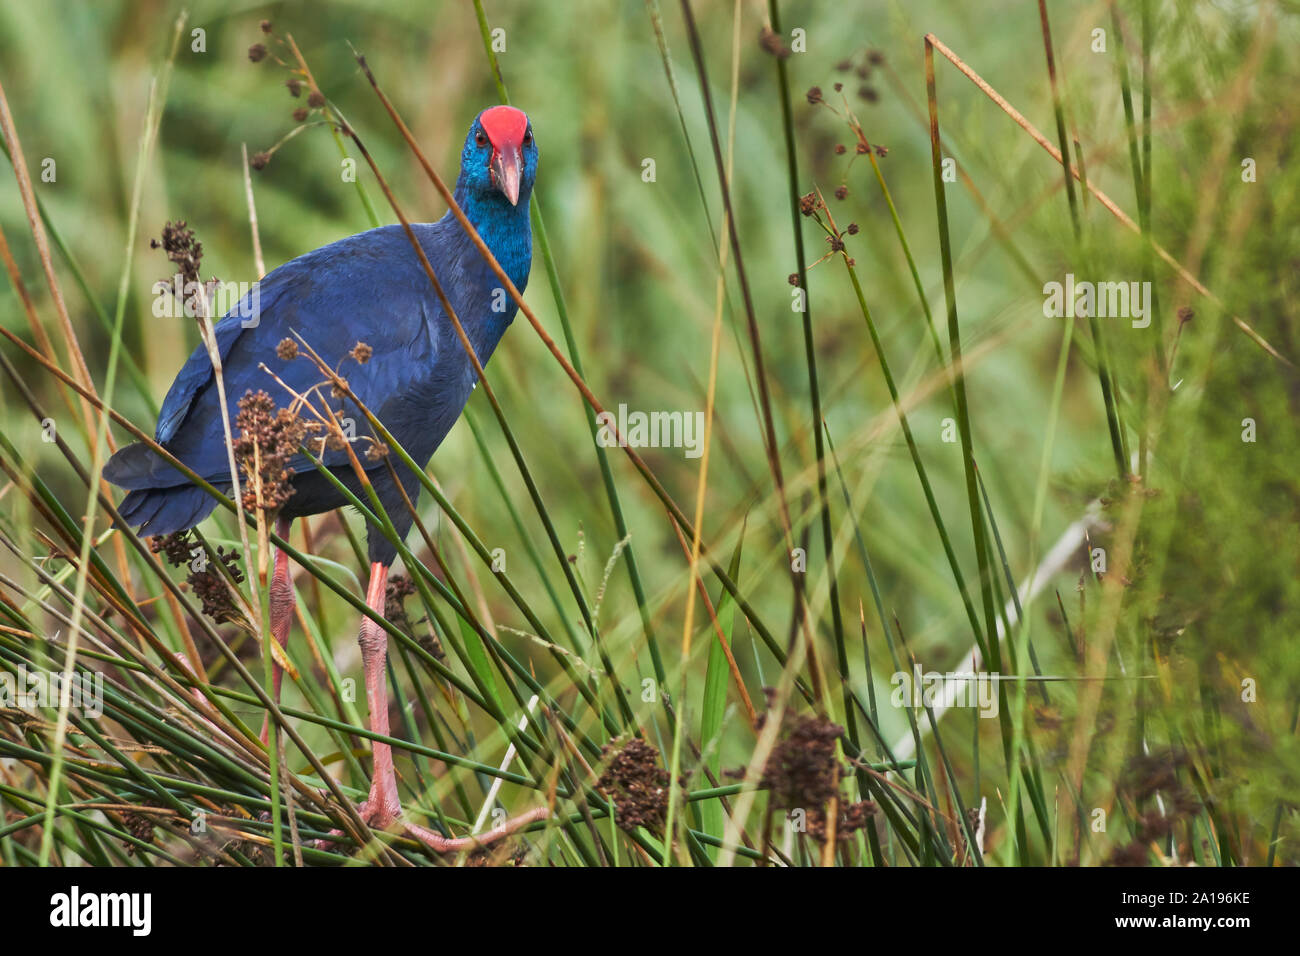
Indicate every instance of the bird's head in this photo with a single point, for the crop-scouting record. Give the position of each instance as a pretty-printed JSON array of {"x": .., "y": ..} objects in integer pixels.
[{"x": 500, "y": 156}]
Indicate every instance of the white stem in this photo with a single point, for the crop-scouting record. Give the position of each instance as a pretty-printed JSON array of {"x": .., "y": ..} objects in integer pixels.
[
  {"x": 1056, "y": 559},
  {"x": 484, "y": 813}
]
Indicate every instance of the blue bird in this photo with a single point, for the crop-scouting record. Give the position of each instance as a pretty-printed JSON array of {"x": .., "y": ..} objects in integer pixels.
[{"x": 369, "y": 288}]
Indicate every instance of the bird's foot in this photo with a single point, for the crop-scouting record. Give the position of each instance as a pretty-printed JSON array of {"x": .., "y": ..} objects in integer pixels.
[
  {"x": 442, "y": 844},
  {"x": 380, "y": 813}
]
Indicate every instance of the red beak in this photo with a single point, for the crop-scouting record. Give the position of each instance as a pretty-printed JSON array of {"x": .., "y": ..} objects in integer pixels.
[
  {"x": 506, "y": 128},
  {"x": 507, "y": 166}
]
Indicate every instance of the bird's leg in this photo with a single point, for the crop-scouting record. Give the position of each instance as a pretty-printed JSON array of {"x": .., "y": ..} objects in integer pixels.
[
  {"x": 282, "y": 605},
  {"x": 383, "y": 805}
]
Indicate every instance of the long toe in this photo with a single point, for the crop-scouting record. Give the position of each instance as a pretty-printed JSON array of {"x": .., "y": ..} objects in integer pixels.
[{"x": 442, "y": 844}]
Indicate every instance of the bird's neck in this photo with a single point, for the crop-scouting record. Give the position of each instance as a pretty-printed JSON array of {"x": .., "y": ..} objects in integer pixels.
[{"x": 504, "y": 227}]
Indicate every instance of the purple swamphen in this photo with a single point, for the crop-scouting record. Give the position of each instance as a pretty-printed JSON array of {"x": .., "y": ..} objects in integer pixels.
[{"x": 369, "y": 288}]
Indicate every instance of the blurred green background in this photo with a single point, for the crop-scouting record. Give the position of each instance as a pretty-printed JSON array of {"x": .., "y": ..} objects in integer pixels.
[{"x": 638, "y": 266}]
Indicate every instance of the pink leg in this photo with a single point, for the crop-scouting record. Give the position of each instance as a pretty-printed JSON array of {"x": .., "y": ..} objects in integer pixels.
[
  {"x": 282, "y": 605},
  {"x": 383, "y": 806}
]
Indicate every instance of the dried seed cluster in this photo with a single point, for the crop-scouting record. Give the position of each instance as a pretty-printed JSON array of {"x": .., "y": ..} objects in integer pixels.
[
  {"x": 268, "y": 439},
  {"x": 769, "y": 41},
  {"x": 174, "y": 547},
  {"x": 206, "y": 582},
  {"x": 396, "y": 591},
  {"x": 182, "y": 248},
  {"x": 139, "y": 825},
  {"x": 297, "y": 81},
  {"x": 862, "y": 66},
  {"x": 814, "y": 206},
  {"x": 1146, "y": 776},
  {"x": 636, "y": 783},
  {"x": 803, "y": 772}
]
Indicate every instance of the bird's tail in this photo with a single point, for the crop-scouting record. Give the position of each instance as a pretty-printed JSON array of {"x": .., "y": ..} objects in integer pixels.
[{"x": 157, "y": 504}]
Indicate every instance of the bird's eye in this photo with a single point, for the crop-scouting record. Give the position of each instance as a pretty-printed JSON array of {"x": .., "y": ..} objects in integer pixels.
[
  {"x": 480, "y": 138},
  {"x": 528, "y": 138}
]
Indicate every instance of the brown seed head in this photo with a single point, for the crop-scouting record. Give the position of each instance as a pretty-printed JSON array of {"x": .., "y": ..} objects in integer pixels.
[
  {"x": 770, "y": 42},
  {"x": 268, "y": 440},
  {"x": 636, "y": 783}
]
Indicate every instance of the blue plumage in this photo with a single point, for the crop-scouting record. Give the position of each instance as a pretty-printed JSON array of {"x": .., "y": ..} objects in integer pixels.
[{"x": 368, "y": 288}]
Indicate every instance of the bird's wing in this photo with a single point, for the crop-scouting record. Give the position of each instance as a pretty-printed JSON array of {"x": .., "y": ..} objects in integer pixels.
[
  {"x": 196, "y": 374},
  {"x": 368, "y": 288}
]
